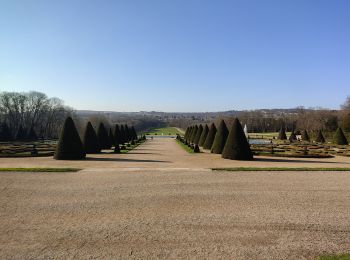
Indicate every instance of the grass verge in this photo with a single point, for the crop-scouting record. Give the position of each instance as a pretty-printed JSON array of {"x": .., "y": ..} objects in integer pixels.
[
  {"x": 280, "y": 169},
  {"x": 334, "y": 257},
  {"x": 39, "y": 169},
  {"x": 185, "y": 147},
  {"x": 163, "y": 131}
]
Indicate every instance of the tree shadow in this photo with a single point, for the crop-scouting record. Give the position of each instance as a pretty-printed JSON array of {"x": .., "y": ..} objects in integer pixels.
[
  {"x": 124, "y": 160},
  {"x": 292, "y": 160}
]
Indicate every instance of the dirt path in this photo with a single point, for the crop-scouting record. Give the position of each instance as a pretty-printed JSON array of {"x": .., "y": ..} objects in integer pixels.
[
  {"x": 161, "y": 153},
  {"x": 161, "y": 202}
]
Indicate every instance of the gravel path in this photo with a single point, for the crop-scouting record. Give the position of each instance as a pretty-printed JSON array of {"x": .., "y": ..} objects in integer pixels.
[{"x": 156, "y": 204}]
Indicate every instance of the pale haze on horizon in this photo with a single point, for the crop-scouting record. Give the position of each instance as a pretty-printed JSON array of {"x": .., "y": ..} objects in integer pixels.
[{"x": 184, "y": 55}]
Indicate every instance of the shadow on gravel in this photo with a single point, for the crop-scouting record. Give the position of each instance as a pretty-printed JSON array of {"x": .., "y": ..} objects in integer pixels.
[
  {"x": 291, "y": 160},
  {"x": 124, "y": 160}
]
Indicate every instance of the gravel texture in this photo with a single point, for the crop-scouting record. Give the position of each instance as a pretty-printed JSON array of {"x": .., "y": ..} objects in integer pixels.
[{"x": 156, "y": 204}]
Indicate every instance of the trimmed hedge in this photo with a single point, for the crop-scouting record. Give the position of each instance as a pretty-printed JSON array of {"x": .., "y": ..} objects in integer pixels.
[
  {"x": 204, "y": 135},
  {"x": 90, "y": 140},
  {"x": 220, "y": 138},
  {"x": 103, "y": 137},
  {"x": 198, "y": 135},
  {"x": 208, "y": 143},
  {"x": 237, "y": 146},
  {"x": 69, "y": 146},
  {"x": 339, "y": 137}
]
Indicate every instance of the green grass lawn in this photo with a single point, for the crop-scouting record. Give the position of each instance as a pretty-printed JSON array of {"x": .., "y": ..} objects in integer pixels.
[
  {"x": 279, "y": 169},
  {"x": 335, "y": 257},
  {"x": 163, "y": 131},
  {"x": 39, "y": 169},
  {"x": 185, "y": 147}
]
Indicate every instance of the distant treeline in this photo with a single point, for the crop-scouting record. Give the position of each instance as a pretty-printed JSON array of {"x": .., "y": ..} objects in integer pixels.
[
  {"x": 272, "y": 120},
  {"x": 30, "y": 115}
]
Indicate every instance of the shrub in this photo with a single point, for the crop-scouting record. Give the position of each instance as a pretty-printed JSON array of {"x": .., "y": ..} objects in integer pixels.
[
  {"x": 69, "y": 146},
  {"x": 208, "y": 143},
  {"x": 133, "y": 133},
  {"x": 186, "y": 133},
  {"x": 122, "y": 135},
  {"x": 237, "y": 146},
  {"x": 339, "y": 137},
  {"x": 320, "y": 137},
  {"x": 117, "y": 135},
  {"x": 111, "y": 137},
  {"x": 103, "y": 137},
  {"x": 193, "y": 134},
  {"x": 282, "y": 134},
  {"x": 189, "y": 134},
  {"x": 90, "y": 140},
  {"x": 127, "y": 133},
  {"x": 305, "y": 136},
  {"x": 220, "y": 138},
  {"x": 292, "y": 137},
  {"x": 198, "y": 134},
  {"x": 204, "y": 135}
]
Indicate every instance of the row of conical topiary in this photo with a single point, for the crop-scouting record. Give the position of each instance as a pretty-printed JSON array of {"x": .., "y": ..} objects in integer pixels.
[
  {"x": 338, "y": 137},
  {"x": 70, "y": 147},
  {"x": 231, "y": 144}
]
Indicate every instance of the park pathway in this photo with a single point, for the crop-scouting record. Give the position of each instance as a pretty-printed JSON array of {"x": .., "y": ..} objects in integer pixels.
[
  {"x": 160, "y": 202},
  {"x": 165, "y": 153}
]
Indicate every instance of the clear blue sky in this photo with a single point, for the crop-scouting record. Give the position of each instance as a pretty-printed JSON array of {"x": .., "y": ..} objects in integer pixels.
[{"x": 178, "y": 55}]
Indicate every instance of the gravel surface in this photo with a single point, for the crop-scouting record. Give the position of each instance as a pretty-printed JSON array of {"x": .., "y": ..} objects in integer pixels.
[{"x": 148, "y": 210}]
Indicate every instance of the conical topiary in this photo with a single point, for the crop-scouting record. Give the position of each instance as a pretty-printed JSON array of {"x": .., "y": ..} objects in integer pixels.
[
  {"x": 292, "y": 137},
  {"x": 127, "y": 133},
  {"x": 198, "y": 134},
  {"x": 117, "y": 135},
  {"x": 186, "y": 133},
  {"x": 122, "y": 135},
  {"x": 111, "y": 137},
  {"x": 69, "y": 146},
  {"x": 188, "y": 138},
  {"x": 305, "y": 136},
  {"x": 220, "y": 138},
  {"x": 282, "y": 134},
  {"x": 193, "y": 134},
  {"x": 133, "y": 133},
  {"x": 32, "y": 135},
  {"x": 210, "y": 137},
  {"x": 339, "y": 137},
  {"x": 90, "y": 140},
  {"x": 320, "y": 137},
  {"x": 204, "y": 135},
  {"x": 237, "y": 146},
  {"x": 103, "y": 137}
]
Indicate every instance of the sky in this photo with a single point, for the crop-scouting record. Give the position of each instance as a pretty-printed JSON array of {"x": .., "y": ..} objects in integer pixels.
[{"x": 178, "y": 55}]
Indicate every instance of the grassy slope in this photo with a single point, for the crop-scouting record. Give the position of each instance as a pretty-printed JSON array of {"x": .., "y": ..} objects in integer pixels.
[{"x": 164, "y": 131}]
